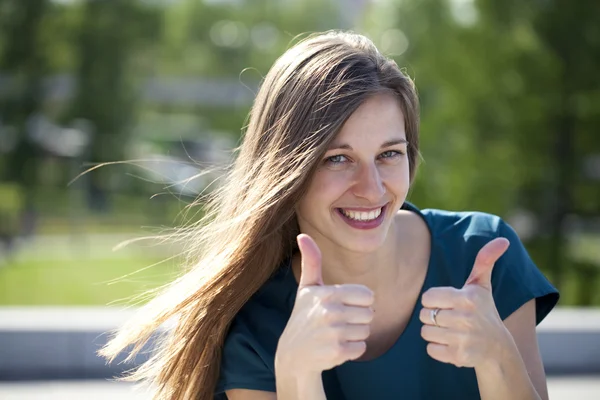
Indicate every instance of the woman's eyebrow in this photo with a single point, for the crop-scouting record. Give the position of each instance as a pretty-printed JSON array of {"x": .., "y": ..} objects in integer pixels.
[
  {"x": 389, "y": 143},
  {"x": 394, "y": 142}
]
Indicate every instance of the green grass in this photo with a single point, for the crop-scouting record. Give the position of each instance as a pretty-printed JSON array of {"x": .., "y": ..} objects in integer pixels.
[
  {"x": 80, "y": 281},
  {"x": 69, "y": 269},
  {"x": 96, "y": 281}
]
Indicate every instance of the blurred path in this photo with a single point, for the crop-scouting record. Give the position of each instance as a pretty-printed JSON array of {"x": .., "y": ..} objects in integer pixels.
[
  {"x": 563, "y": 388},
  {"x": 70, "y": 390},
  {"x": 91, "y": 245}
]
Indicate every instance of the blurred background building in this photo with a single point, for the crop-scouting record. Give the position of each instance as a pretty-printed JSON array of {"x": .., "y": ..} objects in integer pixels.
[{"x": 160, "y": 90}]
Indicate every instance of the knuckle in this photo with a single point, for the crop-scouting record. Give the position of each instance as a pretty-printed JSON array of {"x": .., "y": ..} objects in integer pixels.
[
  {"x": 339, "y": 333},
  {"x": 462, "y": 358},
  {"x": 370, "y": 295},
  {"x": 426, "y": 298},
  {"x": 461, "y": 351},
  {"x": 355, "y": 350},
  {"x": 326, "y": 292},
  {"x": 305, "y": 292},
  {"x": 363, "y": 293},
  {"x": 369, "y": 313},
  {"x": 454, "y": 353},
  {"x": 424, "y": 315},
  {"x": 462, "y": 341},
  {"x": 337, "y": 350},
  {"x": 467, "y": 320},
  {"x": 470, "y": 300},
  {"x": 430, "y": 349},
  {"x": 329, "y": 312},
  {"x": 357, "y": 316},
  {"x": 366, "y": 331},
  {"x": 333, "y": 335},
  {"x": 361, "y": 347}
]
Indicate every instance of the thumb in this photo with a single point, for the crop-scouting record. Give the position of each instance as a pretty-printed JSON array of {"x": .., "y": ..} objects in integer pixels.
[
  {"x": 311, "y": 262},
  {"x": 484, "y": 263}
]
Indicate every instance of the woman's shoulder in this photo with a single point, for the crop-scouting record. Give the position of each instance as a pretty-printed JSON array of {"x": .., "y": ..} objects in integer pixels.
[
  {"x": 271, "y": 304},
  {"x": 459, "y": 225},
  {"x": 463, "y": 223},
  {"x": 255, "y": 329},
  {"x": 460, "y": 235}
]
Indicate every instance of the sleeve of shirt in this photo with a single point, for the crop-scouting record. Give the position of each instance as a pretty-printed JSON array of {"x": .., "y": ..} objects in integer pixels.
[
  {"x": 243, "y": 363},
  {"x": 516, "y": 280}
]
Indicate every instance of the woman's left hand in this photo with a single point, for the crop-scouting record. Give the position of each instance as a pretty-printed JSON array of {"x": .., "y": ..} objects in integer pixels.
[{"x": 466, "y": 329}]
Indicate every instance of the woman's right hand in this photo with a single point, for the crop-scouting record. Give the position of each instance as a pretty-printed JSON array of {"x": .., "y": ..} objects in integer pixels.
[{"x": 329, "y": 323}]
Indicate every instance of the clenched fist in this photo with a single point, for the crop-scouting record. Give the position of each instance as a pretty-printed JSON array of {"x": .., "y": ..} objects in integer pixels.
[
  {"x": 329, "y": 323},
  {"x": 462, "y": 326}
]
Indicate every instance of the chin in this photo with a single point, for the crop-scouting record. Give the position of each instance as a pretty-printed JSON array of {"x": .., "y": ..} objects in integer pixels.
[{"x": 363, "y": 243}]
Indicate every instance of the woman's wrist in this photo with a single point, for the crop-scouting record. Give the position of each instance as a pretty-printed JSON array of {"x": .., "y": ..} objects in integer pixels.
[
  {"x": 295, "y": 383},
  {"x": 292, "y": 386},
  {"x": 504, "y": 350},
  {"x": 503, "y": 374}
]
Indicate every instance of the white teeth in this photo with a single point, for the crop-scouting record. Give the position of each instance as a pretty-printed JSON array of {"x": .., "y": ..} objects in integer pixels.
[{"x": 362, "y": 216}]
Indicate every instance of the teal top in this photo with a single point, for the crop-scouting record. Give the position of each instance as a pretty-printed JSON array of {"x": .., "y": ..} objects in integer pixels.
[{"x": 405, "y": 371}]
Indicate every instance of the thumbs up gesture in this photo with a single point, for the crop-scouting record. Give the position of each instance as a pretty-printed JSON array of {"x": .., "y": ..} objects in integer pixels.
[
  {"x": 462, "y": 325},
  {"x": 329, "y": 323}
]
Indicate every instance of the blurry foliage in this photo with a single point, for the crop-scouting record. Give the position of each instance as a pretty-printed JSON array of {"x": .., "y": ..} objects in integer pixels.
[
  {"x": 22, "y": 56},
  {"x": 509, "y": 110},
  {"x": 509, "y": 90}
]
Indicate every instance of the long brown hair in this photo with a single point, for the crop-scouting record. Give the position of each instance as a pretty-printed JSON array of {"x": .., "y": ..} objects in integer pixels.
[{"x": 250, "y": 225}]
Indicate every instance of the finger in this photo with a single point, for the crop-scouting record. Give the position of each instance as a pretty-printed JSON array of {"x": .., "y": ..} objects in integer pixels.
[
  {"x": 311, "y": 274},
  {"x": 434, "y": 334},
  {"x": 426, "y": 317},
  {"x": 353, "y": 350},
  {"x": 440, "y": 352},
  {"x": 444, "y": 318},
  {"x": 353, "y": 295},
  {"x": 358, "y": 315},
  {"x": 481, "y": 274},
  {"x": 355, "y": 332},
  {"x": 441, "y": 297}
]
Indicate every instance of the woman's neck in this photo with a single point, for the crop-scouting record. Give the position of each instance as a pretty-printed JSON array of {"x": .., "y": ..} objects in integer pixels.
[
  {"x": 377, "y": 270},
  {"x": 370, "y": 269}
]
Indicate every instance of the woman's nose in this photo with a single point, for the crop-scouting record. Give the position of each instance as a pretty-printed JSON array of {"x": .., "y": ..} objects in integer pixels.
[{"x": 369, "y": 184}]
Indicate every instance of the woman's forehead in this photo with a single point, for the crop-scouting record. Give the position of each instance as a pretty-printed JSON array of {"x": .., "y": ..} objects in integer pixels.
[{"x": 379, "y": 118}]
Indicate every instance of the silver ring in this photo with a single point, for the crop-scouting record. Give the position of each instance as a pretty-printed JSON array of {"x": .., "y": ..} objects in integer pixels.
[{"x": 433, "y": 315}]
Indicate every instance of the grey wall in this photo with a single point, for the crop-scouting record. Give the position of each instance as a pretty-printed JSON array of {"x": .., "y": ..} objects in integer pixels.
[{"x": 61, "y": 343}]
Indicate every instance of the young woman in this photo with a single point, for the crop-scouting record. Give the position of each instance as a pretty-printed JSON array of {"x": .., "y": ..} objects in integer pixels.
[{"x": 318, "y": 280}]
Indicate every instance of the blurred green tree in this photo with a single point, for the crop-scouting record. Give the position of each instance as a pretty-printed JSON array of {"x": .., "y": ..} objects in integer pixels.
[
  {"x": 234, "y": 42},
  {"x": 569, "y": 38},
  {"x": 508, "y": 109},
  {"x": 111, "y": 35},
  {"x": 24, "y": 62}
]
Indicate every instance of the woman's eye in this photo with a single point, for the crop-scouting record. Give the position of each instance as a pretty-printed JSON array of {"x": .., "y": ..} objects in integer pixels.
[
  {"x": 391, "y": 154},
  {"x": 338, "y": 159}
]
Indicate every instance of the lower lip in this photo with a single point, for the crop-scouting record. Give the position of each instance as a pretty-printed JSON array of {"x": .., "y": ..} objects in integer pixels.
[{"x": 372, "y": 224}]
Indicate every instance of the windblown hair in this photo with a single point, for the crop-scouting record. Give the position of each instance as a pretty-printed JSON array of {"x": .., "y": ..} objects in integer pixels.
[{"x": 250, "y": 226}]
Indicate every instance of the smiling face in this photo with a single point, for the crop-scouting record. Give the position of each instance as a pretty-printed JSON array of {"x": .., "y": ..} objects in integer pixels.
[{"x": 362, "y": 180}]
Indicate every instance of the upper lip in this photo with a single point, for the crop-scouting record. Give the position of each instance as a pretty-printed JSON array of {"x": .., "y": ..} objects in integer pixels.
[{"x": 362, "y": 209}]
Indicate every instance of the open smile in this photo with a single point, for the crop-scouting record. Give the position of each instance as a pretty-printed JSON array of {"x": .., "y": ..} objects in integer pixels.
[{"x": 363, "y": 218}]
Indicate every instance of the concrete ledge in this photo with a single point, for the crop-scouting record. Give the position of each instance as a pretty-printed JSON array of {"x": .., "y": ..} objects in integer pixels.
[
  {"x": 61, "y": 343},
  {"x": 38, "y": 343}
]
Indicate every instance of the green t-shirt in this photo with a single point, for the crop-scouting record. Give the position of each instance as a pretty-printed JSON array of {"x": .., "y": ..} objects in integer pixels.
[{"x": 405, "y": 371}]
